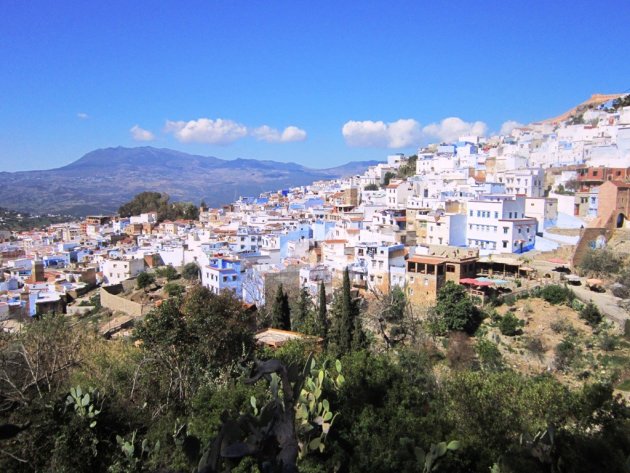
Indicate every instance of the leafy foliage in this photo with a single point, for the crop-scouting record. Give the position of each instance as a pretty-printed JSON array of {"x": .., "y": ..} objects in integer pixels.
[
  {"x": 159, "y": 202},
  {"x": 191, "y": 271},
  {"x": 455, "y": 310},
  {"x": 168, "y": 272},
  {"x": 144, "y": 280},
  {"x": 281, "y": 310},
  {"x": 600, "y": 262},
  {"x": 555, "y": 294},
  {"x": 591, "y": 314},
  {"x": 346, "y": 332},
  {"x": 510, "y": 324}
]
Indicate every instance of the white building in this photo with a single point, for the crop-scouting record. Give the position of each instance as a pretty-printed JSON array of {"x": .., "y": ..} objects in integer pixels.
[
  {"x": 498, "y": 224},
  {"x": 116, "y": 271}
]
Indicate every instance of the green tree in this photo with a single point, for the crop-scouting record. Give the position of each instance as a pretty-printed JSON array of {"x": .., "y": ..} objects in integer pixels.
[
  {"x": 191, "y": 271},
  {"x": 144, "y": 280},
  {"x": 186, "y": 340},
  {"x": 281, "y": 310},
  {"x": 347, "y": 332},
  {"x": 303, "y": 317},
  {"x": 168, "y": 272},
  {"x": 455, "y": 310},
  {"x": 371, "y": 187},
  {"x": 510, "y": 325},
  {"x": 388, "y": 177},
  {"x": 173, "y": 289},
  {"x": 322, "y": 314}
]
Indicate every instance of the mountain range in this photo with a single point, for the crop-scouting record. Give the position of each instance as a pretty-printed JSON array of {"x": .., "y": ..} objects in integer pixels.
[{"x": 102, "y": 180}]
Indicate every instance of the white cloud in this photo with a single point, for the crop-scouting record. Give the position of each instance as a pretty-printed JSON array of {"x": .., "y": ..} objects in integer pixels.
[
  {"x": 508, "y": 126},
  {"x": 272, "y": 135},
  {"x": 399, "y": 134},
  {"x": 450, "y": 129},
  {"x": 206, "y": 130},
  {"x": 82, "y": 116},
  {"x": 140, "y": 134}
]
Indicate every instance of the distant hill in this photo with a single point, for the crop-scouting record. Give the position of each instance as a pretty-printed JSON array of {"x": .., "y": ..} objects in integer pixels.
[
  {"x": 103, "y": 179},
  {"x": 593, "y": 101}
]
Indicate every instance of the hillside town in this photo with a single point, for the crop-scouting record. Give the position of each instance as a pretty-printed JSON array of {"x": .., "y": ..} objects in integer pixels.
[{"x": 485, "y": 212}]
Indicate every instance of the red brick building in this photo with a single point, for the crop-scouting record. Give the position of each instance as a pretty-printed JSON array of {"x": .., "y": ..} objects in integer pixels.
[{"x": 613, "y": 207}]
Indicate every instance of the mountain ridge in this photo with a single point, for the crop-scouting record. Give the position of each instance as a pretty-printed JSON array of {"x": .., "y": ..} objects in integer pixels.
[{"x": 101, "y": 180}]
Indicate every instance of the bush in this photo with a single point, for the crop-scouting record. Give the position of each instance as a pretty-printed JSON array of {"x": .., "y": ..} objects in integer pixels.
[
  {"x": 371, "y": 187},
  {"x": 566, "y": 353},
  {"x": 173, "y": 289},
  {"x": 144, "y": 280},
  {"x": 600, "y": 261},
  {"x": 607, "y": 342},
  {"x": 455, "y": 310},
  {"x": 167, "y": 272},
  {"x": 510, "y": 325},
  {"x": 591, "y": 314},
  {"x": 626, "y": 329},
  {"x": 535, "y": 345},
  {"x": 191, "y": 271},
  {"x": 555, "y": 294},
  {"x": 490, "y": 357},
  {"x": 562, "y": 326}
]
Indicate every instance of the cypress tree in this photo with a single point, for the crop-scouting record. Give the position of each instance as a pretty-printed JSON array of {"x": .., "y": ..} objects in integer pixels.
[
  {"x": 345, "y": 319},
  {"x": 322, "y": 320},
  {"x": 280, "y": 310},
  {"x": 302, "y": 320}
]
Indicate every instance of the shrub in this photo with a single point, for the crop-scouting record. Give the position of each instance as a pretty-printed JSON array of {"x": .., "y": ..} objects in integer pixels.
[
  {"x": 576, "y": 305},
  {"x": 490, "y": 357},
  {"x": 510, "y": 325},
  {"x": 555, "y": 294},
  {"x": 562, "y": 326},
  {"x": 509, "y": 300},
  {"x": 144, "y": 280},
  {"x": 600, "y": 261},
  {"x": 167, "y": 272},
  {"x": 535, "y": 345},
  {"x": 191, "y": 271},
  {"x": 566, "y": 353},
  {"x": 626, "y": 329},
  {"x": 173, "y": 289},
  {"x": 607, "y": 342},
  {"x": 591, "y": 314},
  {"x": 371, "y": 187}
]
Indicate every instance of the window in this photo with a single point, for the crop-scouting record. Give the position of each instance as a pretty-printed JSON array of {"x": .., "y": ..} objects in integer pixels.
[
  {"x": 505, "y": 230},
  {"x": 505, "y": 244},
  {"x": 450, "y": 268},
  {"x": 471, "y": 213},
  {"x": 496, "y": 215}
]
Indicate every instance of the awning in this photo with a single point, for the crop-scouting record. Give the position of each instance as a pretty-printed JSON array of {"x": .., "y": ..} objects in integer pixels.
[{"x": 474, "y": 282}]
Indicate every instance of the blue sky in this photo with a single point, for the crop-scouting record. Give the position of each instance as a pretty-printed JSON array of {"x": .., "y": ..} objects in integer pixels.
[{"x": 228, "y": 78}]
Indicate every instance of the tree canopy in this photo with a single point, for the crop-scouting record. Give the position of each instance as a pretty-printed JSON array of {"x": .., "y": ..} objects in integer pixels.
[{"x": 160, "y": 203}]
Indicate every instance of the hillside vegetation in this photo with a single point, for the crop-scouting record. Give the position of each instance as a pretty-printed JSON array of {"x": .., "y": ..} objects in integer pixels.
[{"x": 527, "y": 385}]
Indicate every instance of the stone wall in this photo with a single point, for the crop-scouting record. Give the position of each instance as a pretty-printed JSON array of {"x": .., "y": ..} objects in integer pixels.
[{"x": 111, "y": 300}]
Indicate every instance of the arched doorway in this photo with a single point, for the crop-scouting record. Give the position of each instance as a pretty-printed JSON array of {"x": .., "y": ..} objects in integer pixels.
[{"x": 621, "y": 219}]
